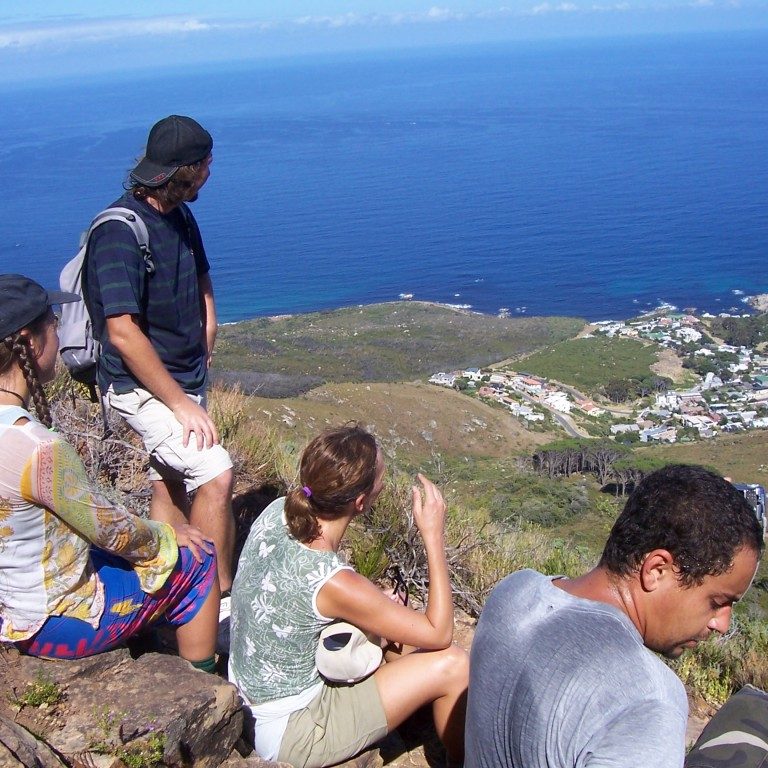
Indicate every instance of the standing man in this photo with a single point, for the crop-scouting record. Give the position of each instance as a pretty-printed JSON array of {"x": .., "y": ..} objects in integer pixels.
[
  {"x": 156, "y": 320},
  {"x": 561, "y": 673}
]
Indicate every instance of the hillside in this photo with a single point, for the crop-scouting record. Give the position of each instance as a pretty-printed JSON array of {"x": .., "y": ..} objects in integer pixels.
[
  {"x": 397, "y": 341},
  {"x": 743, "y": 456},
  {"x": 415, "y": 422},
  {"x": 588, "y": 363}
]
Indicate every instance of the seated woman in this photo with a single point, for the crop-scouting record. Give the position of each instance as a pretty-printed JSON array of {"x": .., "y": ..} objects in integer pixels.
[
  {"x": 78, "y": 575},
  {"x": 291, "y": 583}
]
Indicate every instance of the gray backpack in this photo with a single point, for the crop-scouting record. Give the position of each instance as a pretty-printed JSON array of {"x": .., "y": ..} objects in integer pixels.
[{"x": 78, "y": 346}]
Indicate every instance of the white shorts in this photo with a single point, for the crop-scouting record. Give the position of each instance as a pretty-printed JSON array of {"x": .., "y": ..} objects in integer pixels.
[{"x": 162, "y": 435}]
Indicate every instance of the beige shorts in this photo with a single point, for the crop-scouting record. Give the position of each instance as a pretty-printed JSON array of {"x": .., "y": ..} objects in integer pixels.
[
  {"x": 338, "y": 723},
  {"x": 162, "y": 435}
]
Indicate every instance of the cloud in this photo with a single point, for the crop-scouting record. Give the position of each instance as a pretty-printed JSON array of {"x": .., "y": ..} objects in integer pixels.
[
  {"x": 538, "y": 10},
  {"x": 56, "y": 32},
  {"x": 97, "y": 31},
  {"x": 60, "y": 32}
]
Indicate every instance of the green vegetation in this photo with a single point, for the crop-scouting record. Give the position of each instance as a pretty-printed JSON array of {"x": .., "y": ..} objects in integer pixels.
[
  {"x": 140, "y": 753},
  {"x": 381, "y": 342},
  {"x": 591, "y": 363},
  {"x": 621, "y": 390},
  {"x": 501, "y": 515},
  {"x": 39, "y": 693},
  {"x": 527, "y": 498},
  {"x": 145, "y": 752},
  {"x": 720, "y": 666},
  {"x": 717, "y": 364},
  {"x": 741, "y": 331}
]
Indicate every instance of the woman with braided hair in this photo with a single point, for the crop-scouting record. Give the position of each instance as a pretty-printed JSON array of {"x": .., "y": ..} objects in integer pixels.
[
  {"x": 292, "y": 583},
  {"x": 78, "y": 575}
]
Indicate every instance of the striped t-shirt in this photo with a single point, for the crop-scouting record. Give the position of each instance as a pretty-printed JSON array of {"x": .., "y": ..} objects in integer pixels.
[{"x": 167, "y": 301}]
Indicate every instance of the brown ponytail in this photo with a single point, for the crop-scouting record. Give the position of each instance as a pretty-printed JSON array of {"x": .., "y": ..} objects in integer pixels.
[{"x": 336, "y": 467}]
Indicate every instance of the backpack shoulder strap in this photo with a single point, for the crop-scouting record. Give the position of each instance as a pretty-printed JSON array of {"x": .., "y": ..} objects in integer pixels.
[{"x": 136, "y": 224}]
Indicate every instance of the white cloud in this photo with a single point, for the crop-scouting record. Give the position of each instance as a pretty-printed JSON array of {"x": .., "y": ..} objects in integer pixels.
[
  {"x": 95, "y": 31},
  {"x": 543, "y": 8},
  {"x": 90, "y": 31},
  {"x": 67, "y": 32}
]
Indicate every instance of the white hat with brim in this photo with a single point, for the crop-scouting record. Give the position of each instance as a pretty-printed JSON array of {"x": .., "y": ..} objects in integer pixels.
[{"x": 345, "y": 655}]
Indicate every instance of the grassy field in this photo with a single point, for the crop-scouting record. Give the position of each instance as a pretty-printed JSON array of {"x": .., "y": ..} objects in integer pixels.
[
  {"x": 742, "y": 457},
  {"x": 419, "y": 425},
  {"x": 398, "y": 341},
  {"x": 589, "y": 363}
]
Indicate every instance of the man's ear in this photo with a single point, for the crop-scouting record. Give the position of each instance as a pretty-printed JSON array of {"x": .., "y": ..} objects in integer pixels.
[
  {"x": 360, "y": 503},
  {"x": 657, "y": 569}
]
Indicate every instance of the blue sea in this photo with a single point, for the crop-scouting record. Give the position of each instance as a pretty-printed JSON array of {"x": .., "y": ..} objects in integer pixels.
[{"x": 592, "y": 178}]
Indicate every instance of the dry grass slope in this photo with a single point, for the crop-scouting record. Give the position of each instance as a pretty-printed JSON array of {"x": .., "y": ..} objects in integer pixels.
[{"x": 414, "y": 422}]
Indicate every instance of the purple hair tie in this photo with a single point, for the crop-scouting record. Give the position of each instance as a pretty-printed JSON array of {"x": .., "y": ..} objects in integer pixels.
[{"x": 307, "y": 491}]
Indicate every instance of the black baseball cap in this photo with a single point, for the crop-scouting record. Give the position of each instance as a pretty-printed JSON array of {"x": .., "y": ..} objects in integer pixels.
[
  {"x": 22, "y": 300},
  {"x": 174, "y": 141}
]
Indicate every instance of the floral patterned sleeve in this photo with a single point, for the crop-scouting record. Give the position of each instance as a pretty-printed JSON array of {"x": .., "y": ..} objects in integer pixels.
[{"x": 54, "y": 477}]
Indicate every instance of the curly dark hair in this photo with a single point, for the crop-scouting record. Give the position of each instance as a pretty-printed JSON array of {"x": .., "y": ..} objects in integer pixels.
[
  {"x": 174, "y": 191},
  {"x": 696, "y": 515}
]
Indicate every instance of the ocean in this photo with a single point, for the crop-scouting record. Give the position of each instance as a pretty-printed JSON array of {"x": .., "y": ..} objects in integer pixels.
[{"x": 593, "y": 178}]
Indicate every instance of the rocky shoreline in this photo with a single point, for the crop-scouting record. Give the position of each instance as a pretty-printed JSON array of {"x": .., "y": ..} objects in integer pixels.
[{"x": 758, "y": 302}]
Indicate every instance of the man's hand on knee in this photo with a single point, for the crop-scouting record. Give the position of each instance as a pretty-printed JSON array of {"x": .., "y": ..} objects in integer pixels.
[{"x": 194, "y": 418}]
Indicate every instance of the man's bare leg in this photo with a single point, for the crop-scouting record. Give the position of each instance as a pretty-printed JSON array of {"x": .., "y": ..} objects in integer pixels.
[
  {"x": 212, "y": 514},
  {"x": 170, "y": 503}
]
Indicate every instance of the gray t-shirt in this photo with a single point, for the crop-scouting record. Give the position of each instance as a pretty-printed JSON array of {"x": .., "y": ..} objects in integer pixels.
[{"x": 557, "y": 681}]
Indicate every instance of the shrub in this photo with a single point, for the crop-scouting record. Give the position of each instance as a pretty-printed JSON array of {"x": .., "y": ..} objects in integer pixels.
[
  {"x": 534, "y": 499},
  {"x": 715, "y": 669}
]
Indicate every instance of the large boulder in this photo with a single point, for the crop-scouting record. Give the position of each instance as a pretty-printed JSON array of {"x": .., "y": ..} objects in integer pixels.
[{"x": 156, "y": 706}]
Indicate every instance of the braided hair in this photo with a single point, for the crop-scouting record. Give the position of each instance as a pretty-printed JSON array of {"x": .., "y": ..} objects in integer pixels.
[{"x": 15, "y": 349}]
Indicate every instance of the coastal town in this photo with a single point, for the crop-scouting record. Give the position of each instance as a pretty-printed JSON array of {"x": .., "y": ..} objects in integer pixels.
[{"x": 730, "y": 393}]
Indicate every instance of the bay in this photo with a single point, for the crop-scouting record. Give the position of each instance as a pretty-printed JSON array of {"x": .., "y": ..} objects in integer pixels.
[{"x": 592, "y": 178}]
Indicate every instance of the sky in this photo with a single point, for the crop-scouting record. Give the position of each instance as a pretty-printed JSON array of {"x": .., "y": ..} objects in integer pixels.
[{"x": 41, "y": 39}]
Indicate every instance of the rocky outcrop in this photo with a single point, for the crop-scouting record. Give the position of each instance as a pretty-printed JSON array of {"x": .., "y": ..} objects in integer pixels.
[
  {"x": 116, "y": 710},
  {"x": 149, "y": 710},
  {"x": 19, "y": 747}
]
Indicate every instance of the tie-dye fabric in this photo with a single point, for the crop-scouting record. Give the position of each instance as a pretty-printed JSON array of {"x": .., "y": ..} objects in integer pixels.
[
  {"x": 49, "y": 517},
  {"x": 127, "y": 608}
]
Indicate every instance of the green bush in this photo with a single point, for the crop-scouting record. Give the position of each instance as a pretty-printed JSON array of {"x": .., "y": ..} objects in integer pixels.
[
  {"x": 535, "y": 499},
  {"x": 715, "y": 669}
]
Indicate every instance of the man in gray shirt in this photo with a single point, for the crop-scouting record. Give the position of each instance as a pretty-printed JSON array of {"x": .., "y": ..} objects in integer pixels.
[{"x": 560, "y": 673}]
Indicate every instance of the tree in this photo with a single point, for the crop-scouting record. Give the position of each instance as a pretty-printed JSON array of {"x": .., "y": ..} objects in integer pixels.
[{"x": 617, "y": 390}]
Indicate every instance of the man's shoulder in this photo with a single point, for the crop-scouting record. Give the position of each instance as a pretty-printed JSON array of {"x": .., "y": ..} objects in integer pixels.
[{"x": 552, "y": 622}]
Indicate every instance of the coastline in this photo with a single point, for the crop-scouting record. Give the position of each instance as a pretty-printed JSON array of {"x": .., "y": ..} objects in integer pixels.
[{"x": 753, "y": 304}]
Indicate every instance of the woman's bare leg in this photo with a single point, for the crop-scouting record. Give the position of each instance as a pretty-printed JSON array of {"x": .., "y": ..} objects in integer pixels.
[
  {"x": 424, "y": 677},
  {"x": 197, "y": 638}
]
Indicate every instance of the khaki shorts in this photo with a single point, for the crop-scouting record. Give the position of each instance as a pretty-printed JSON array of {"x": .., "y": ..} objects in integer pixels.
[
  {"x": 338, "y": 723},
  {"x": 162, "y": 435}
]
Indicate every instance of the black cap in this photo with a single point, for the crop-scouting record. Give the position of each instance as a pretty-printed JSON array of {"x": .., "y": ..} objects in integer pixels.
[
  {"x": 174, "y": 141},
  {"x": 22, "y": 300}
]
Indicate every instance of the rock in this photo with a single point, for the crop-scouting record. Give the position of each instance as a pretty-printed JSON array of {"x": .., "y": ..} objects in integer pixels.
[
  {"x": 157, "y": 703},
  {"x": 371, "y": 758},
  {"x": 251, "y": 761},
  {"x": 759, "y": 302},
  {"x": 18, "y": 747}
]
